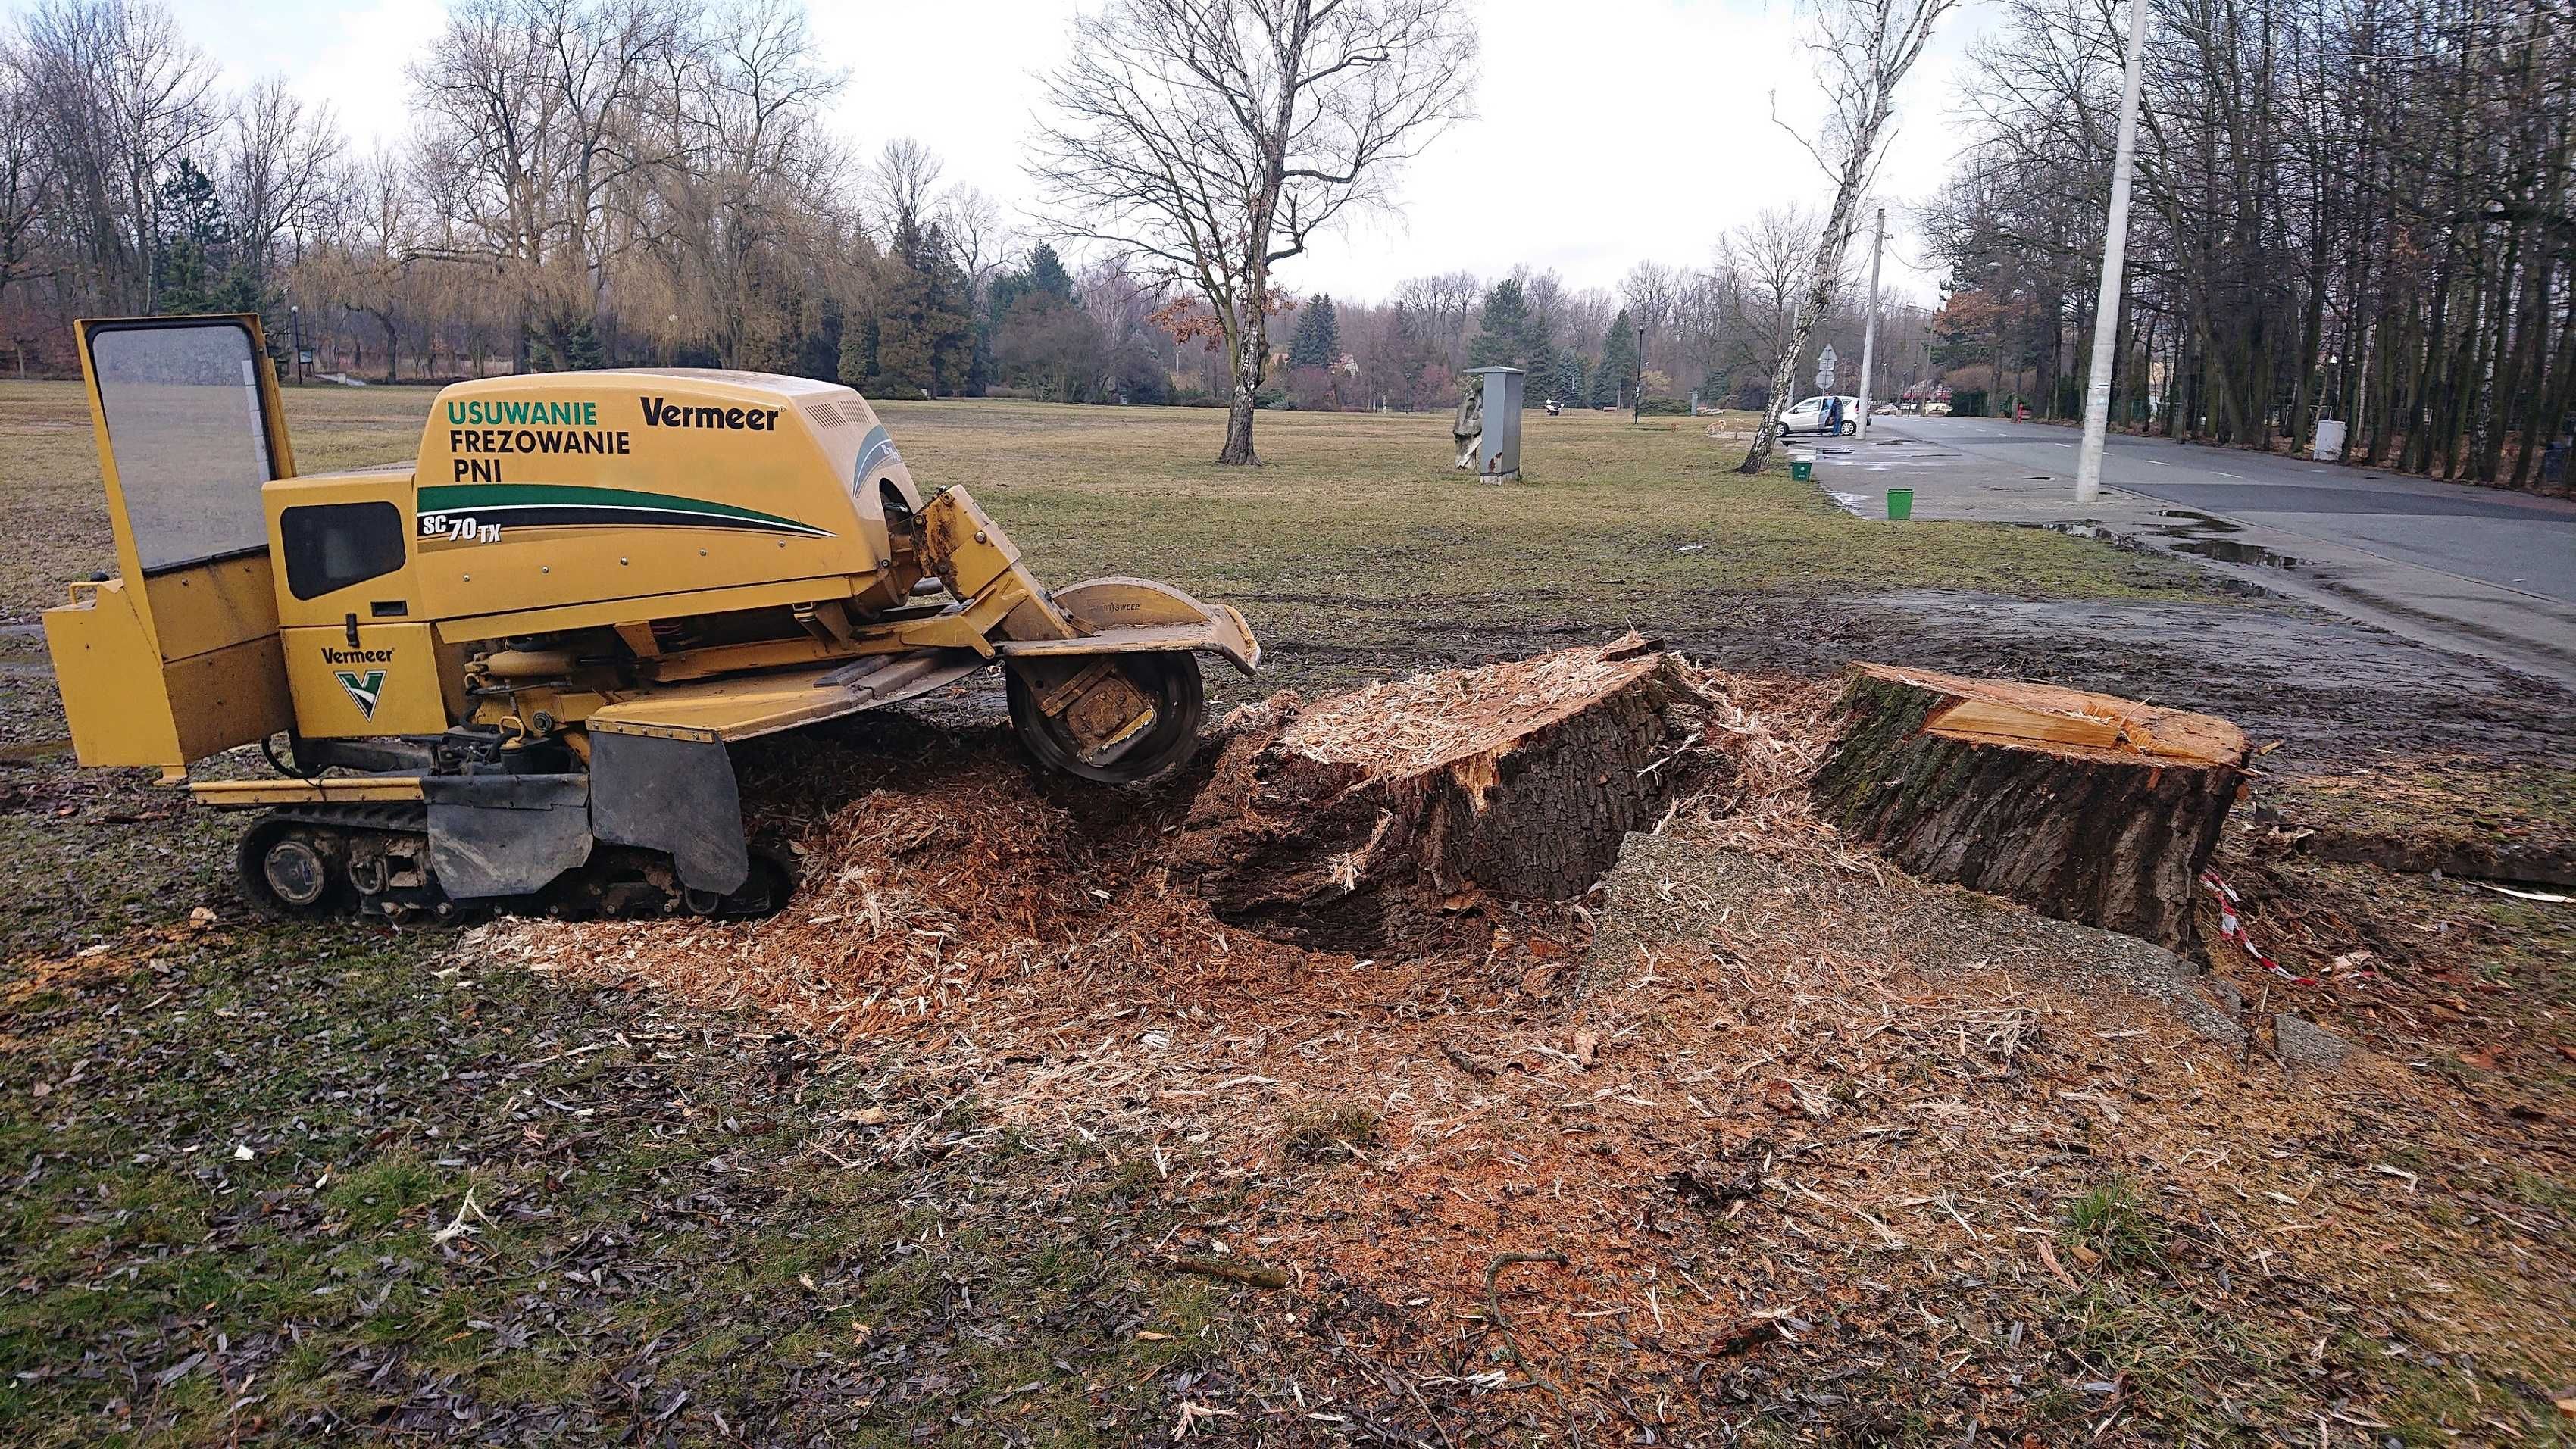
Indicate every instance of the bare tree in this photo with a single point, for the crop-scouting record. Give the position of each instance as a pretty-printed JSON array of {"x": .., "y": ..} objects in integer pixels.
[
  {"x": 124, "y": 96},
  {"x": 278, "y": 168},
  {"x": 1649, "y": 290},
  {"x": 1204, "y": 142},
  {"x": 977, "y": 232},
  {"x": 1863, "y": 49},
  {"x": 1445, "y": 303},
  {"x": 26, "y": 173},
  {"x": 542, "y": 99},
  {"x": 1762, "y": 266},
  {"x": 900, "y": 184}
]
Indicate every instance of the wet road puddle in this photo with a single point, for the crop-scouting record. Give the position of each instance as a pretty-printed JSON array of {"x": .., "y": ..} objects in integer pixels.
[{"x": 2183, "y": 530}]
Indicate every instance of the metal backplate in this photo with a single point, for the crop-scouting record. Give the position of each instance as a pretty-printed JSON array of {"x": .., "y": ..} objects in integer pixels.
[
  {"x": 505, "y": 835},
  {"x": 673, "y": 795}
]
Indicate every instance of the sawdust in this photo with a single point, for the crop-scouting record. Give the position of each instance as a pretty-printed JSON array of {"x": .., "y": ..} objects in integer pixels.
[{"x": 1797, "y": 1101}]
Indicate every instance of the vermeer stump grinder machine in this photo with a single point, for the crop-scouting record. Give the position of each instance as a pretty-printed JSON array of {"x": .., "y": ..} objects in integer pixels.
[{"x": 510, "y": 672}]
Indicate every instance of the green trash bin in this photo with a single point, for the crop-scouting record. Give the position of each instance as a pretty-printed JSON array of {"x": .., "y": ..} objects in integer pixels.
[
  {"x": 1900, "y": 503},
  {"x": 1802, "y": 471}
]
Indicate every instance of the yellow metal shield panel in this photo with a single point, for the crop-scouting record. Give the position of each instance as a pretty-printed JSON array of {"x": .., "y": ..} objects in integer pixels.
[
  {"x": 229, "y": 697},
  {"x": 110, "y": 675},
  {"x": 388, "y": 683},
  {"x": 209, "y": 606}
]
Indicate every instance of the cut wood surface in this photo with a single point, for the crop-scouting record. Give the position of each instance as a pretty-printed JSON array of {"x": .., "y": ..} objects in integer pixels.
[
  {"x": 1361, "y": 819},
  {"x": 2084, "y": 806}
]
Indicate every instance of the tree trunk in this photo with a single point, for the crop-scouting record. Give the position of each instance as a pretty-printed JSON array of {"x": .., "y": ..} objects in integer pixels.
[
  {"x": 1366, "y": 821},
  {"x": 2081, "y": 806},
  {"x": 1251, "y": 359}
]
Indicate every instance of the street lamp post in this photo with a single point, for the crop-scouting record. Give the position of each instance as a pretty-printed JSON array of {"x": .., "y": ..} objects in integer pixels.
[
  {"x": 1637, "y": 394},
  {"x": 2115, "y": 250},
  {"x": 295, "y": 336},
  {"x": 1869, "y": 327}
]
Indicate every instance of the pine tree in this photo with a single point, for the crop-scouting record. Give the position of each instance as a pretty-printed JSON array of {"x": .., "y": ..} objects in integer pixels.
[
  {"x": 1047, "y": 274},
  {"x": 1317, "y": 342},
  {"x": 858, "y": 352},
  {"x": 1502, "y": 328},
  {"x": 1573, "y": 379},
  {"x": 1617, "y": 371},
  {"x": 924, "y": 341},
  {"x": 1510, "y": 334},
  {"x": 190, "y": 256}
]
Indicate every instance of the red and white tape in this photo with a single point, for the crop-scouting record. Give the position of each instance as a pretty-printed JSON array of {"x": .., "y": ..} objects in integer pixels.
[{"x": 2234, "y": 929}]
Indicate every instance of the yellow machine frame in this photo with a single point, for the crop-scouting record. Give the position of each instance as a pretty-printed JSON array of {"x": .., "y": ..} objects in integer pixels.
[{"x": 676, "y": 560}]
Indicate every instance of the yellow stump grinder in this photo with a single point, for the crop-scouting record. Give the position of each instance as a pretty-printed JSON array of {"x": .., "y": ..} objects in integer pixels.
[{"x": 510, "y": 672}]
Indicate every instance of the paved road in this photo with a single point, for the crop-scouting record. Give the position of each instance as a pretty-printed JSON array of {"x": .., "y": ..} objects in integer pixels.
[
  {"x": 2470, "y": 568},
  {"x": 2511, "y": 540}
]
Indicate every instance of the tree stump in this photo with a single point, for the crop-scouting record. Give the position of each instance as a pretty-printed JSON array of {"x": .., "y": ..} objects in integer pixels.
[
  {"x": 2082, "y": 806},
  {"x": 1365, "y": 820}
]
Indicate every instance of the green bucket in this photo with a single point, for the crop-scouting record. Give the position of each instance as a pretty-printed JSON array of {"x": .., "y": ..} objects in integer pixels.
[
  {"x": 1900, "y": 503},
  {"x": 1803, "y": 471}
]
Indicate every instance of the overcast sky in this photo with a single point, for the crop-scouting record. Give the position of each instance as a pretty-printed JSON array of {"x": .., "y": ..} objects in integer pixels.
[{"x": 1610, "y": 130}]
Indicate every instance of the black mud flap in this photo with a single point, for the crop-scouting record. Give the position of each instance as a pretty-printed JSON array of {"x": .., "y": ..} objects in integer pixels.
[
  {"x": 674, "y": 796},
  {"x": 505, "y": 835}
]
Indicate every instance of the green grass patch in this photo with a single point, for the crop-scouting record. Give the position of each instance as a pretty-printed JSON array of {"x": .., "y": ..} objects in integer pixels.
[
  {"x": 239, "y": 1206},
  {"x": 2110, "y": 1221}
]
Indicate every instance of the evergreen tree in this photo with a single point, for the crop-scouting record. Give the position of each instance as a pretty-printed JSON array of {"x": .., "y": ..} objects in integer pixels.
[
  {"x": 1047, "y": 274},
  {"x": 576, "y": 350},
  {"x": 1573, "y": 379},
  {"x": 858, "y": 352},
  {"x": 924, "y": 342},
  {"x": 818, "y": 349},
  {"x": 1510, "y": 334},
  {"x": 191, "y": 255},
  {"x": 1317, "y": 340},
  {"x": 1502, "y": 328},
  {"x": 1616, "y": 373}
]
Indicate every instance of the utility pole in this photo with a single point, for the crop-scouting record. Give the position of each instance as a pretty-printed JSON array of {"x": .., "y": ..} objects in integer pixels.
[
  {"x": 2115, "y": 253},
  {"x": 1637, "y": 395},
  {"x": 1869, "y": 325}
]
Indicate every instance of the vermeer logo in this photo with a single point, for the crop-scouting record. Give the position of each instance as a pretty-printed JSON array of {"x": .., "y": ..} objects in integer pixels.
[
  {"x": 365, "y": 688},
  {"x": 661, "y": 414}
]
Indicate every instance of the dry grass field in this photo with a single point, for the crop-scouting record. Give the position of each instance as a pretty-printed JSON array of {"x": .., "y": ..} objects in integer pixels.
[
  {"x": 1354, "y": 536},
  {"x": 1829, "y": 1179}
]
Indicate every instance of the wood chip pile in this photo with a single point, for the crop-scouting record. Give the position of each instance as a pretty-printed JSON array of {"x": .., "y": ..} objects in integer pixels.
[{"x": 1767, "y": 1124}]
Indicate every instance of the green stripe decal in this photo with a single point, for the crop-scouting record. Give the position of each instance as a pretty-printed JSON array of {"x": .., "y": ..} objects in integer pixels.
[{"x": 503, "y": 498}]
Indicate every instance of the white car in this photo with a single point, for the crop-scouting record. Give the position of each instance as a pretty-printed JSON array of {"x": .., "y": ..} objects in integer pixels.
[{"x": 1809, "y": 417}]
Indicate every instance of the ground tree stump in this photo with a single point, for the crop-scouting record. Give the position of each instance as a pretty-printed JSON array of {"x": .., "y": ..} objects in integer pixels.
[
  {"x": 2082, "y": 806},
  {"x": 1366, "y": 820}
]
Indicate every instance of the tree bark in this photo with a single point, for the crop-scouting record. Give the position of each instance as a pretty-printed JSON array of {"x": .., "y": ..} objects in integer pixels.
[
  {"x": 1367, "y": 821},
  {"x": 2081, "y": 806}
]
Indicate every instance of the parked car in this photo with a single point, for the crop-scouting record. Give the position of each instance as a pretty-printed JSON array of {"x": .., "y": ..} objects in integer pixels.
[{"x": 1809, "y": 417}]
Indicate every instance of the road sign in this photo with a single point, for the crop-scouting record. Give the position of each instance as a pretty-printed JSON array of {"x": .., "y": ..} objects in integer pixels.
[{"x": 1825, "y": 366}]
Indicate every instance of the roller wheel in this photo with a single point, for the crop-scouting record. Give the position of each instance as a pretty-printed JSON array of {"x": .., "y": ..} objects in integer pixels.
[
  {"x": 772, "y": 881},
  {"x": 287, "y": 873},
  {"x": 1171, "y": 680}
]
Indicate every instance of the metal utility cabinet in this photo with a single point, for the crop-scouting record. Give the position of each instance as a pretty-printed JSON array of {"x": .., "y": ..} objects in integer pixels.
[{"x": 1498, "y": 456}]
